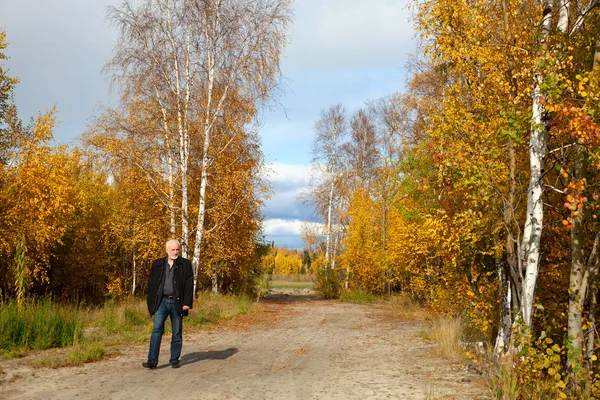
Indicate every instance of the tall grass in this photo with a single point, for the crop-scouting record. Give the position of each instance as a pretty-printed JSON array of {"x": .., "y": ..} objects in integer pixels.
[
  {"x": 210, "y": 307},
  {"x": 357, "y": 296},
  {"x": 93, "y": 333},
  {"x": 38, "y": 325},
  {"x": 447, "y": 335},
  {"x": 118, "y": 317}
]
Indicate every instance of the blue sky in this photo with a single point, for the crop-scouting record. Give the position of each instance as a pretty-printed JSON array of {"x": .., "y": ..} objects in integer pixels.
[{"x": 341, "y": 51}]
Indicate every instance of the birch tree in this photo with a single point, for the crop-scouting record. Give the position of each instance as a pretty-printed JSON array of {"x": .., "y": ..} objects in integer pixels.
[
  {"x": 153, "y": 60},
  {"x": 330, "y": 133},
  {"x": 240, "y": 46},
  {"x": 540, "y": 124}
]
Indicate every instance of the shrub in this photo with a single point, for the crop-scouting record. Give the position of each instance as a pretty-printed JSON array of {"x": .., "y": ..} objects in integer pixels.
[{"x": 328, "y": 284}]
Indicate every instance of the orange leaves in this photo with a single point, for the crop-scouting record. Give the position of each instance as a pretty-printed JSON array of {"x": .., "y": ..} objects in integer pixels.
[{"x": 576, "y": 200}]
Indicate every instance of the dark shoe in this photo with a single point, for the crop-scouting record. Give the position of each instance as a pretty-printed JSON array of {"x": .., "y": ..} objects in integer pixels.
[
  {"x": 148, "y": 364},
  {"x": 175, "y": 364}
]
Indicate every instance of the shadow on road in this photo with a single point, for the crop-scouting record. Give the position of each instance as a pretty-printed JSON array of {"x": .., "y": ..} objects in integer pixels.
[
  {"x": 191, "y": 358},
  {"x": 285, "y": 298}
]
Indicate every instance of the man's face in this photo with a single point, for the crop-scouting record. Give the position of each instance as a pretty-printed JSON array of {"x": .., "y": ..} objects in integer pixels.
[{"x": 173, "y": 250}]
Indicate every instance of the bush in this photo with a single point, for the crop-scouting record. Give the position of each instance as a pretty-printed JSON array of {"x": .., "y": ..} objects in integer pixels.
[{"x": 328, "y": 284}]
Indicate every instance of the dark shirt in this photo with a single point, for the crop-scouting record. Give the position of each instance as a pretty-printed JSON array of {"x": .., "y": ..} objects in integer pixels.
[{"x": 168, "y": 287}]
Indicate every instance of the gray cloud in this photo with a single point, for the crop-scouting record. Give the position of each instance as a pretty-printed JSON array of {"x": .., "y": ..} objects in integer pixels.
[
  {"x": 57, "y": 49},
  {"x": 345, "y": 34}
]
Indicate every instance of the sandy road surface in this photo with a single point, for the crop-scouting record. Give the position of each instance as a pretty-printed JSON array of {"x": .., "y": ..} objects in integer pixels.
[{"x": 295, "y": 348}]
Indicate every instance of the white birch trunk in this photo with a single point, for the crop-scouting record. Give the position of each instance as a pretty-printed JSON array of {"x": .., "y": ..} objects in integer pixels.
[
  {"x": 535, "y": 208},
  {"x": 134, "y": 273},
  {"x": 334, "y": 252},
  {"x": 328, "y": 232},
  {"x": 502, "y": 339},
  {"x": 202, "y": 211},
  {"x": 182, "y": 100},
  {"x": 208, "y": 122},
  {"x": 563, "y": 15},
  {"x": 170, "y": 168}
]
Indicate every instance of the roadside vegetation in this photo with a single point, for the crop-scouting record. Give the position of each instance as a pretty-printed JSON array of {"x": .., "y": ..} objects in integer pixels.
[{"x": 80, "y": 334}]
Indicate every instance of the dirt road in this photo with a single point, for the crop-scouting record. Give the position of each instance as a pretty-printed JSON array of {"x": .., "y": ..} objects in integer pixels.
[{"x": 294, "y": 348}]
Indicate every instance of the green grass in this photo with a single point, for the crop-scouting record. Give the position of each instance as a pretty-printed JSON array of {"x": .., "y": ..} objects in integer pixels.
[
  {"x": 210, "y": 308},
  {"x": 293, "y": 277},
  {"x": 87, "y": 353},
  {"x": 93, "y": 333},
  {"x": 358, "y": 296},
  {"x": 281, "y": 284},
  {"x": 38, "y": 326}
]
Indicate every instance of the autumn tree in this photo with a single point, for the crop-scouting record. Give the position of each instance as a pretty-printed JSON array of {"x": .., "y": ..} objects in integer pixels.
[
  {"x": 331, "y": 130},
  {"x": 186, "y": 63}
]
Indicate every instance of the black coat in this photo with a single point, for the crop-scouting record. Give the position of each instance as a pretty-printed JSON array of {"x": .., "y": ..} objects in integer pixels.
[{"x": 183, "y": 284}]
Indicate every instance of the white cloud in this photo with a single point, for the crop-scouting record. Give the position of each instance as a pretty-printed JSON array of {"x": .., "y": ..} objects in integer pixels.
[
  {"x": 277, "y": 226},
  {"x": 288, "y": 176},
  {"x": 282, "y": 227},
  {"x": 288, "y": 182},
  {"x": 350, "y": 33}
]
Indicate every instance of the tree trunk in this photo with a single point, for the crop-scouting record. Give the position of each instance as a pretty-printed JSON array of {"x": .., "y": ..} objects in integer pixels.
[
  {"x": 334, "y": 252},
  {"x": 538, "y": 140},
  {"x": 580, "y": 273},
  {"x": 591, "y": 333},
  {"x": 202, "y": 212},
  {"x": 578, "y": 277},
  {"x": 328, "y": 232},
  {"x": 215, "y": 279},
  {"x": 134, "y": 273},
  {"x": 509, "y": 269}
]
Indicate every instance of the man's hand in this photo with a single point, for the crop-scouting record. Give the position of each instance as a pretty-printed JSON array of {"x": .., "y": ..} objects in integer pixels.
[{"x": 185, "y": 308}]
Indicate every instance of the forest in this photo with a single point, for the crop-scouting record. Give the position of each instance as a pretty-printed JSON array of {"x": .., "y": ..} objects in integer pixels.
[{"x": 474, "y": 191}]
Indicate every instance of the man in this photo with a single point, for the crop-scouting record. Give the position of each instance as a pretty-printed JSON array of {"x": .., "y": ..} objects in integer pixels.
[{"x": 170, "y": 293}]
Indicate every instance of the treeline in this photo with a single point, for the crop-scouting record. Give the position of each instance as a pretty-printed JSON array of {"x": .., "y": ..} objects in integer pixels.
[
  {"x": 476, "y": 191},
  {"x": 178, "y": 157},
  {"x": 284, "y": 261}
]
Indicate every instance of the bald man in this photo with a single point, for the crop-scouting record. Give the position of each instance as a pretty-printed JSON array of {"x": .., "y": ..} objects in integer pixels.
[{"x": 170, "y": 294}]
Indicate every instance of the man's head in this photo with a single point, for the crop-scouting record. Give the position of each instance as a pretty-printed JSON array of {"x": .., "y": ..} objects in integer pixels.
[{"x": 172, "y": 249}]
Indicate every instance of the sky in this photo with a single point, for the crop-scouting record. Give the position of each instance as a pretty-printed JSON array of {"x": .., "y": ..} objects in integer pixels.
[{"x": 341, "y": 51}]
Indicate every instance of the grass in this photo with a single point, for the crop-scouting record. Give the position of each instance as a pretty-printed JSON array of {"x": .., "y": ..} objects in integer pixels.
[
  {"x": 447, "y": 335},
  {"x": 80, "y": 335},
  {"x": 281, "y": 284},
  {"x": 293, "y": 278},
  {"x": 358, "y": 297},
  {"x": 291, "y": 281},
  {"x": 38, "y": 326},
  {"x": 211, "y": 308}
]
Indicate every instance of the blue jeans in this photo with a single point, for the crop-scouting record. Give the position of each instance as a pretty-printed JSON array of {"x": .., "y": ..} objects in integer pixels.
[{"x": 165, "y": 309}]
